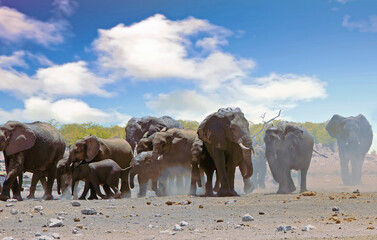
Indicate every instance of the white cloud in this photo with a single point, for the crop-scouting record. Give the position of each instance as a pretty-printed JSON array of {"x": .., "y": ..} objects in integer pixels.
[
  {"x": 362, "y": 26},
  {"x": 158, "y": 48},
  {"x": 344, "y": 1},
  {"x": 266, "y": 94},
  {"x": 64, "y": 111},
  {"x": 16, "y": 26},
  {"x": 65, "y": 7},
  {"x": 66, "y": 80}
]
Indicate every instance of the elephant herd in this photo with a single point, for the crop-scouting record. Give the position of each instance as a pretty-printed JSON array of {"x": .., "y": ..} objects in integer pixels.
[{"x": 160, "y": 151}]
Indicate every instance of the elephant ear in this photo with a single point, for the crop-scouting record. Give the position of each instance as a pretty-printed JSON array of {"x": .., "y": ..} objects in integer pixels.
[
  {"x": 211, "y": 130},
  {"x": 22, "y": 138},
  {"x": 334, "y": 126},
  {"x": 293, "y": 134},
  {"x": 92, "y": 148}
]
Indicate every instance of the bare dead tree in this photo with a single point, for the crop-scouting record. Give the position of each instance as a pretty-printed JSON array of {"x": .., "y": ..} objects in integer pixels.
[{"x": 265, "y": 122}]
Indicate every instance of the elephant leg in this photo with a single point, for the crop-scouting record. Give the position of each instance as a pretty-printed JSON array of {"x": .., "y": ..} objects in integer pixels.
[
  {"x": 254, "y": 179},
  {"x": 345, "y": 171},
  {"x": 231, "y": 171},
  {"x": 286, "y": 185},
  {"x": 107, "y": 190},
  {"x": 93, "y": 194},
  {"x": 357, "y": 165},
  {"x": 85, "y": 192},
  {"x": 299, "y": 179},
  {"x": 248, "y": 186},
  {"x": 217, "y": 183},
  {"x": 194, "y": 180},
  {"x": 303, "y": 173},
  {"x": 154, "y": 185},
  {"x": 34, "y": 180},
  {"x": 170, "y": 182},
  {"x": 209, "y": 186},
  {"x": 95, "y": 185},
  {"x": 180, "y": 183},
  {"x": 262, "y": 176},
  {"x": 162, "y": 184},
  {"x": 142, "y": 186},
  {"x": 14, "y": 168},
  {"x": 50, "y": 182}
]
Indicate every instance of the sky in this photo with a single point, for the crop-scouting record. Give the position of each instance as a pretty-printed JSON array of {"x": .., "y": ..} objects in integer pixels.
[{"x": 107, "y": 61}]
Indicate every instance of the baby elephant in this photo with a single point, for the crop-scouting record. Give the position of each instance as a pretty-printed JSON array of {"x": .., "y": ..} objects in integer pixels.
[{"x": 106, "y": 172}]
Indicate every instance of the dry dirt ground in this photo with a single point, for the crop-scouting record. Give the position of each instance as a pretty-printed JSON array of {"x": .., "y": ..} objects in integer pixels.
[{"x": 212, "y": 218}]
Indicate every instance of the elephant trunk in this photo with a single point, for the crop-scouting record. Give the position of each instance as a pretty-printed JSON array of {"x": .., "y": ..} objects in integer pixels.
[
  {"x": 246, "y": 166},
  {"x": 132, "y": 177},
  {"x": 58, "y": 180},
  {"x": 73, "y": 186}
]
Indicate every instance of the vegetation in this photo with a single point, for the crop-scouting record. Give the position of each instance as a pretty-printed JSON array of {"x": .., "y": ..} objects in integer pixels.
[{"x": 73, "y": 132}]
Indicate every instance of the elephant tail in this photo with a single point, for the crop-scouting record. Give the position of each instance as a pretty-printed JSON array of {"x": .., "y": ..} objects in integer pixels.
[
  {"x": 320, "y": 154},
  {"x": 126, "y": 169}
]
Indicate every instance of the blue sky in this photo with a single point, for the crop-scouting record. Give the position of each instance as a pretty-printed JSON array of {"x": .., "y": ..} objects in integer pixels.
[{"x": 105, "y": 61}]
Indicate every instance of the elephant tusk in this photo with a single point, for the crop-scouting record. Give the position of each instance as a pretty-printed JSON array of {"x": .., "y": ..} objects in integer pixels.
[
  {"x": 159, "y": 158},
  {"x": 243, "y": 146}
]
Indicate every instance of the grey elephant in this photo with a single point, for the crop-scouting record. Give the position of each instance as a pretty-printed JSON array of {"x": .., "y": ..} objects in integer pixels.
[
  {"x": 354, "y": 136},
  {"x": 63, "y": 174},
  {"x": 138, "y": 128},
  {"x": 95, "y": 149},
  {"x": 288, "y": 146},
  {"x": 226, "y": 136},
  {"x": 29, "y": 147},
  {"x": 145, "y": 169},
  {"x": 260, "y": 167},
  {"x": 172, "y": 150},
  {"x": 104, "y": 172}
]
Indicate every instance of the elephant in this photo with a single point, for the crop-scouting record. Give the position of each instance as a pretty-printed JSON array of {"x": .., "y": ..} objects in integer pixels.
[
  {"x": 354, "y": 136},
  {"x": 172, "y": 150},
  {"x": 106, "y": 171},
  {"x": 94, "y": 149},
  {"x": 288, "y": 146},
  {"x": 63, "y": 174},
  {"x": 202, "y": 162},
  {"x": 146, "y": 143},
  {"x": 226, "y": 136},
  {"x": 138, "y": 128},
  {"x": 260, "y": 168},
  {"x": 145, "y": 169},
  {"x": 33, "y": 147}
]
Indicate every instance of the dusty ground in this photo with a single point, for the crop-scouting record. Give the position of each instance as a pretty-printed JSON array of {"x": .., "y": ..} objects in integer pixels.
[{"x": 218, "y": 218}]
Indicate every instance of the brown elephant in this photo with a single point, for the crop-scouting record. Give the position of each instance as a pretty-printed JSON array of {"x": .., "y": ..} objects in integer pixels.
[
  {"x": 94, "y": 149},
  {"x": 29, "y": 147},
  {"x": 104, "y": 172},
  {"x": 226, "y": 136},
  {"x": 172, "y": 150}
]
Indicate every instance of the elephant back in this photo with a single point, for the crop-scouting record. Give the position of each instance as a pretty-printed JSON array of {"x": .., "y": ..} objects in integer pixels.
[
  {"x": 170, "y": 122},
  {"x": 118, "y": 149}
]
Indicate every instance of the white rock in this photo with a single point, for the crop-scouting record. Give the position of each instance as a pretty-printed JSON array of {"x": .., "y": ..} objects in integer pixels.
[
  {"x": 44, "y": 237},
  {"x": 183, "y": 223},
  {"x": 150, "y": 226},
  {"x": 75, "y": 203},
  {"x": 75, "y": 231},
  {"x": 157, "y": 215},
  {"x": 55, "y": 223},
  {"x": 9, "y": 205},
  {"x": 60, "y": 218},
  {"x": 231, "y": 201},
  {"x": 165, "y": 231},
  {"x": 38, "y": 208},
  {"x": 237, "y": 226},
  {"x": 8, "y": 238},
  {"x": 12, "y": 200},
  {"x": 308, "y": 228},
  {"x": 56, "y": 235},
  {"x": 177, "y": 228},
  {"x": 62, "y": 213},
  {"x": 335, "y": 209},
  {"x": 37, "y": 234},
  {"x": 89, "y": 211},
  {"x": 14, "y": 211},
  {"x": 172, "y": 233},
  {"x": 19, "y": 220},
  {"x": 284, "y": 228},
  {"x": 247, "y": 218}
]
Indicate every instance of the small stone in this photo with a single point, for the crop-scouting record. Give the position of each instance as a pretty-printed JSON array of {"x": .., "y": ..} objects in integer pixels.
[
  {"x": 284, "y": 228},
  {"x": 62, "y": 213},
  {"x": 14, "y": 211},
  {"x": 177, "y": 228},
  {"x": 19, "y": 220},
  {"x": 55, "y": 223},
  {"x": 44, "y": 237},
  {"x": 187, "y": 202},
  {"x": 219, "y": 220},
  {"x": 37, "y": 234},
  {"x": 89, "y": 211},
  {"x": 247, "y": 218},
  {"x": 309, "y": 193},
  {"x": 8, "y": 238},
  {"x": 56, "y": 236},
  {"x": 169, "y": 203},
  {"x": 172, "y": 233},
  {"x": 9, "y": 205},
  {"x": 231, "y": 201},
  {"x": 201, "y": 206},
  {"x": 75, "y": 203},
  {"x": 108, "y": 231},
  {"x": 12, "y": 200},
  {"x": 371, "y": 228},
  {"x": 150, "y": 226},
  {"x": 261, "y": 213},
  {"x": 237, "y": 226},
  {"x": 38, "y": 208},
  {"x": 80, "y": 226},
  {"x": 308, "y": 228},
  {"x": 60, "y": 218},
  {"x": 148, "y": 203},
  {"x": 76, "y": 219},
  {"x": 75, "y": 231},
  {"x": 183, "y": 223},
  {"x": 165, "y": 231},
  {"x": 157, "y": 215},
  {"x": 335, "y": 209}
]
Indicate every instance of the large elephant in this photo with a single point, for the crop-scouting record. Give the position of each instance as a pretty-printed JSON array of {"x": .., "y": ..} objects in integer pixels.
[
  {"x": 172, "y": 150},
  {"x": 138, "y": 128},
  {"x": 29, "y": 147},
  {"x": 145, "y": 169},
  {"x": 354, "y": 136},
  {"x": 226, "y": 136},
  {"x": 288, "y": 146},
  {"x": 94, "y": 149},
  {"x": 260, "y": 167}
]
